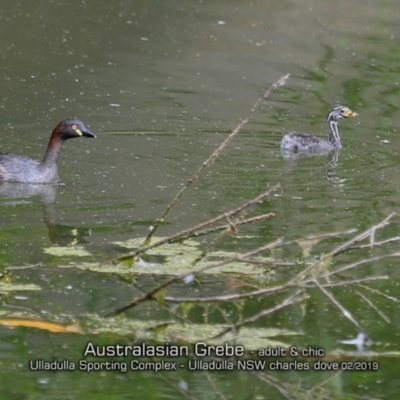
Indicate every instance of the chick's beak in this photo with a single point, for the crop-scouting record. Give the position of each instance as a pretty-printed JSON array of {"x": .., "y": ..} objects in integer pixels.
[{"x": 351, "y": 114}]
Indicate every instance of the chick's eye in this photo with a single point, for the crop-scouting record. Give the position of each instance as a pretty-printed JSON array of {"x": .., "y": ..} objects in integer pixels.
[{"x": 74, "y": 127}]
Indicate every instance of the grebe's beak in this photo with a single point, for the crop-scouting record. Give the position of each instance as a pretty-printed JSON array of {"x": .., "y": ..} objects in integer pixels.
[
  {"x": 86, "y": 133},
  {"x": 349, "y": 114}
]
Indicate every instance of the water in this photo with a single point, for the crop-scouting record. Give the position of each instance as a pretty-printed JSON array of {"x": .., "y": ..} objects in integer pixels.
[{"x": 162, "y": 84}]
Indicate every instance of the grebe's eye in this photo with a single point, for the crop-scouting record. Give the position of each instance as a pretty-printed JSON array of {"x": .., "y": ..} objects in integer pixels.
[{"x": 74, "y": 127}]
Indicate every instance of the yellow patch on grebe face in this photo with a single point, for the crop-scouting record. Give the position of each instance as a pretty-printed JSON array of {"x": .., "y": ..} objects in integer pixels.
[{"x": 77, "y": 130}]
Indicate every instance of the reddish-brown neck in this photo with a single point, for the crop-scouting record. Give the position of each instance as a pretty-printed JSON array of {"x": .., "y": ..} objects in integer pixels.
[{"x": 54, "y": 146}]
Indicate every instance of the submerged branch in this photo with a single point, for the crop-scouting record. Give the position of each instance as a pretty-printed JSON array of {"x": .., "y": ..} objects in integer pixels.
[
  {"x": 341, "y": 249},
  {"x": 346, "y": 313},
  {"x": 265, "y": 291},
  {"x": 357, "y": 263},
  {"x": 297, "y": 281},
  {"x": 376, "y": 244},
  {"x": 396, "y": 300},
  {"x": 292, "y": 299},
  {"x": 149, "y": 295},
  {"x": 375, "y": 307}
]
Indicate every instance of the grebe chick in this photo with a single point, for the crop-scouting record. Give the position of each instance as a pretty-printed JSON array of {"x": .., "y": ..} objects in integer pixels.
[
  {"x": 15, "y": 168},
  {"x": 297, "y": 142}
]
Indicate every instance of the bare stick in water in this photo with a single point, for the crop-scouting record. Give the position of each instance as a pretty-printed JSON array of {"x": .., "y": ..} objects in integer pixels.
[{"x": 213, "y": 156}]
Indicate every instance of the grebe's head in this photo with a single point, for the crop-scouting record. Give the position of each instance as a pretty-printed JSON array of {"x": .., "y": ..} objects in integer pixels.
[{"x": 340, "y": 112}]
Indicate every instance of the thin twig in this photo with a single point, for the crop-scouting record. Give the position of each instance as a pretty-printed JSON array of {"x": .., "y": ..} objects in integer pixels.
[
  {"x": 229, "y": 228},
  {"x": 215, "y": 229},
  {"x": 213, "y": 156}
]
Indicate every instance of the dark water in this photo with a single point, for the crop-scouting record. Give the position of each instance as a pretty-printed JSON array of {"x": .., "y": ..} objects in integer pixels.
[{"x": 162, "y": 84}]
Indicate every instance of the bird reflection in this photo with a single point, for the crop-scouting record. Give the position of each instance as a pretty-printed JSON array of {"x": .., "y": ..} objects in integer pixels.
[
  {"x": 330, "y": 169},
  {"x": 332, "y": 158},
  {"x": 17, "y": 193}
]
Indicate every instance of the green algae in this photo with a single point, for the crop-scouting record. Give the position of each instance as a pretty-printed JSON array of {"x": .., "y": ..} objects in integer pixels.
[
  {"x": 63, "y": 251},
  {"x": 167, "y": 259},
  {"x": 11, "y": 287}
]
